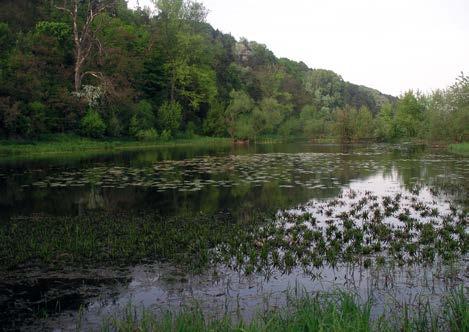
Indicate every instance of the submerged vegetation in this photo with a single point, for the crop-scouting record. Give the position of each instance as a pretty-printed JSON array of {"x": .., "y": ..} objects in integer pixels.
[
  {"x": 96, "y": 76},
  {"x": 226, "y": 226},
  {"x": 354, "y": 228},
  {"x": 101, "y": 239},
  {"x": 339, "y": 311}
]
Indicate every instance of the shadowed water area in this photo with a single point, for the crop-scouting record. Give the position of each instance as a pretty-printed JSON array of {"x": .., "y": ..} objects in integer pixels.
[{"x": 234, "y": 230}]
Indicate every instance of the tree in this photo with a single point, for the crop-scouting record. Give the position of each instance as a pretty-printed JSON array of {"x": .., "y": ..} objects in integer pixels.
[
  {"x": 143, "y": 118},
  {"x": 384, "y": 129},
  {"x": 364, "y": 124},
  {"x": 458, "y": 96},
  {"x": 344, "y": 123},
  {"x": 244, "y": 129},
  {"x": 274, "y": 113},
  {"x": 6, "y": 38},
  {"x": 169, "y": 117},
  {"x": 92, "y": 124},
  {"x": 409, "y": 115},
  {"x": 214, "y": 123},
  {"x": 84, "y": 34},
  {"x": 325, "y": 87},
  {"x": 314, "y": 123},
  {"x": 290, "y": 127},
  {"x": 240, "y": 104},
  {"x": 112, "y": 57},
  {"x": 259, "y": 121},
  {"x": 177, "y": 38}
]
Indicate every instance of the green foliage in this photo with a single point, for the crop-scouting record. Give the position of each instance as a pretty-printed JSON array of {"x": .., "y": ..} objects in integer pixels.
[
  {"x": 459, "y": 124},
  {"x": 166, "y": 135},
  {"x": 460, "y": 148},
  {"x": 364, "y": 124},
  {"x": 326, "y": 88},
  {"x": 187, "y": 72},
  {"x": 315, "y": 124},
  {"x": 24, "y": 120},
  {"x": 92, "y": 125},
  {"x": 384, "y": 129},
  {"x": 456, "y": 309},
  {"x": 60, "y": 31},
  {"x": 191, "y": 129},
  {"x": 409, "y": 115},
  {"x": 338, "y": 311},
  {"x": 445, "y": 114},
  {"x": 214, "y": 123},
  {"x": 240, "y": 103},
  {"x": 114, "y": 126},
  {"x": 187, "y": 57},
  {"x": 244, "y": 129},
  {"x": 274, "y": 113},
  {"x": 260, "y": 121},
  {"x": 6, "y": 38},
  {"x": 71, "y": 144},
  {"x": 290, "y": 128},
  {"x": 344, "y": 123},
  {"x": 458, "y": 95},
  {"x": 142, "y": 119},
  {"x": 147, "y": 135},
  {"x": 134, "y": 126},
  {"x": 36, "y": 113},
  {"x": 169, "y": 117}
]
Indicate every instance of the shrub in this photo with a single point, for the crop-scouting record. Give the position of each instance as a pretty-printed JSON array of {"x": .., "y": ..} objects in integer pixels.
[
  {"x": 134, "y": 126},
  {"x": 143, "y": 118},
  {"x": 147, "y": 135},
  {"x": 191, "y": 129},
  {"x": 92, "y": 125},
  {"x": 290, "y": 127},
  {"x": 165, "y": 135},
  {"x": 170, "y": 116},
  {"x": 35, "y": 115},
  {"x": 244, "y": 129},
  {"x": 58, "y": 30},
  {"x": 114, "y": 127}
]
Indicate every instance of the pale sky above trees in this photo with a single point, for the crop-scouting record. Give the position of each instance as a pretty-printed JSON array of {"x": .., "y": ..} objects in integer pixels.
[{"x": 391, "y": 45}]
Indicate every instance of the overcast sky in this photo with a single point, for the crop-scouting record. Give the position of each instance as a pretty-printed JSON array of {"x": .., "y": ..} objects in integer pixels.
[{"x": 390, "y": 45}]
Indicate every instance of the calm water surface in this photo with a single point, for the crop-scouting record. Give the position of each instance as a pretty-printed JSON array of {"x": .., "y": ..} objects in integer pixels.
[{"x": 295, "y": 178}]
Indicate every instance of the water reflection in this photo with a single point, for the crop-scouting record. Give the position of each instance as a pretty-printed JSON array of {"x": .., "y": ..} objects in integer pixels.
[
  {"x": 212, "y": 179},
  {"x": 242, "y": 179}
]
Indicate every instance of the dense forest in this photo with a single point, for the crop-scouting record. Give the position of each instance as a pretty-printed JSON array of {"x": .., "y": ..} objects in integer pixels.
[{"x": 99, "y": 69}]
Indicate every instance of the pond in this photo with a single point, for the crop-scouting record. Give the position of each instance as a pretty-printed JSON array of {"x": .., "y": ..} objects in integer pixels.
[{"x": 231, "y": 229}]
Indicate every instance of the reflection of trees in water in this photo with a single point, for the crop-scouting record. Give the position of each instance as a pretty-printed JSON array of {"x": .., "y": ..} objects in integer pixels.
[
  {"x": 447, "y": 177},
  {"x": 243, "y": 199},
  {"x": 335, "y": 170},
  {"x": 94, "y": 201},
  {"x": 166, "y": 287}
]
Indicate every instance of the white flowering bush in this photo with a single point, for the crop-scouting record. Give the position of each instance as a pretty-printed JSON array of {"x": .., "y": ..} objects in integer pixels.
[{"x": 92, "y": 94}]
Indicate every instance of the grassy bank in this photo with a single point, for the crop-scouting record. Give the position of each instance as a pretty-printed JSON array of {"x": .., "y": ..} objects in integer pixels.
[
  {"x": 461, "y": 148},
  {"x": 60, "y": 144},
  {"x": 338, "y": 311}
]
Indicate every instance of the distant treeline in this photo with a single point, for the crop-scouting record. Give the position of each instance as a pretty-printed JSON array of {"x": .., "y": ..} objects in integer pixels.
[{"x": 99, "y": 69}]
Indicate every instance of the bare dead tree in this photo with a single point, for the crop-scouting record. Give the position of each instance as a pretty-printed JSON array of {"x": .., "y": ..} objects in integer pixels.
[{"x": 84, "y": 37}]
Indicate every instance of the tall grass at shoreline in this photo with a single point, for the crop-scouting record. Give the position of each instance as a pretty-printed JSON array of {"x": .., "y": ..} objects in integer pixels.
[
  {"x": 59, "y": 144},
  {"x": 338, "y": 311},
  {"x": 461, "y": 148},
  {"x": 56, "y": 144}
]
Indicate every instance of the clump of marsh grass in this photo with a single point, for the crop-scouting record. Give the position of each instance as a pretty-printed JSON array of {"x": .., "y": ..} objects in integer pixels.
[
  {"x": 368, "y": 231},
  {"x": 336, "y": 311}
]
